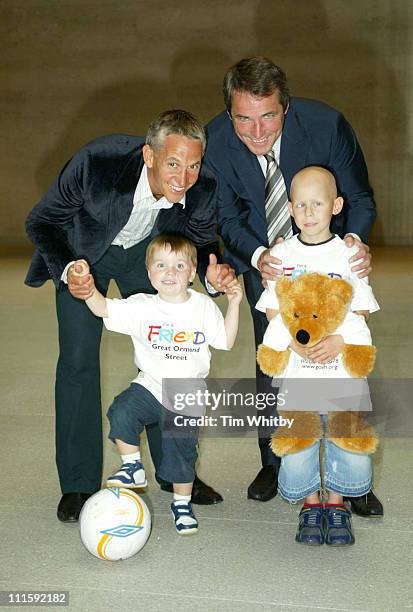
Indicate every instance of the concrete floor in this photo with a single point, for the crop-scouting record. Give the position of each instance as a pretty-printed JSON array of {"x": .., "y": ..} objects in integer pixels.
[{"x": 244, "y": 556}]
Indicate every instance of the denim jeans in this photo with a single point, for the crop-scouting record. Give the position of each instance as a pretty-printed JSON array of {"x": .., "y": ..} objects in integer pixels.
[
  {"x": 135, "y": 408},
  {"x": 345, "y": 473}
]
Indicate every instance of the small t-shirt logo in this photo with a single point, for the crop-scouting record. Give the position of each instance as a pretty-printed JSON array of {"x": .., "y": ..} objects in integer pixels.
[{"x": 167, "y": 334}]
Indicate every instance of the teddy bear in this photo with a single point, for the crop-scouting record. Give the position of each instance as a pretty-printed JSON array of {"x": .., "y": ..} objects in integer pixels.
[{"x": 311, "y": 307}]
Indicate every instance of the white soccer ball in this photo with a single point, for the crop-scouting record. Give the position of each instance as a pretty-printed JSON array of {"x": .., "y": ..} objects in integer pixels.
[{"x": 114, "y": 524}]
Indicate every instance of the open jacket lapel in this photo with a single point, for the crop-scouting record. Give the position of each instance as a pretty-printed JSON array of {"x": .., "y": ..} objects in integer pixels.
[
  {"x": 295, "y": 145},
  {"x": 248, "y": 171},
  {"x": 121, "y": 197}
]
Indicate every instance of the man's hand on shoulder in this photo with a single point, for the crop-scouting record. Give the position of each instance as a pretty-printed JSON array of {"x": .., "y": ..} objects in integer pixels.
[
  {"x": 220, "y": 276},
  {"x": 363, "y": 267},
  {"x": 269, "y": 266}
]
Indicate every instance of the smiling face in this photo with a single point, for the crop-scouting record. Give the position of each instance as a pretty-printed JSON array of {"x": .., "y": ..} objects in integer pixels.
[
  {"x": 257, "y": 122},
  {"x": 174, "y": 167},
  {"x": 170, "y": 274},
  {"x": 313, "y": 202}
]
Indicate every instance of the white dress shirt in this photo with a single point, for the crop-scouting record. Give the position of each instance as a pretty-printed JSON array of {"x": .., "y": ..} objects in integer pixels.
[{"x": 142, "y": 218}]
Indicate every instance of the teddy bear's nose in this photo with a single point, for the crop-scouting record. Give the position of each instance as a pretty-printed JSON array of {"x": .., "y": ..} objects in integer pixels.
[{"x": 302, "y": 336}]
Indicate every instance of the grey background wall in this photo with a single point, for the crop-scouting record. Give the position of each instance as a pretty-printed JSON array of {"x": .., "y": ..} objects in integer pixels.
[{"x": 75, "y": 69}]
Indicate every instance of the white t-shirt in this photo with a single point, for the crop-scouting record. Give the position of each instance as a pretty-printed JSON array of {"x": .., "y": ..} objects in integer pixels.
[
  {"x": 354, "y": 330},
  {"x": 331, "y": 258},
  {"x": 338, "y": 390},
  {"x": 170, "y": 340}
]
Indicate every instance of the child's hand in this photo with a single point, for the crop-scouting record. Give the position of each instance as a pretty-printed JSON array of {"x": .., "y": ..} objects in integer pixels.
[
  {"x": 234, "y": 292},
  {"x": 220, "y": 276},
  {"x": 298, "y": 348},
  {"x": 79, "y": 268},
  {"x": 79, "y": 281},
  {"x": 327, "y": 349}
]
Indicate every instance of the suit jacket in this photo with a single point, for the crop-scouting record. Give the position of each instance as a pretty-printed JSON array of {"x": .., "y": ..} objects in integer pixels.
[
  {"x": 92, "y": 199},
  {"x": 313, "y": 134}
]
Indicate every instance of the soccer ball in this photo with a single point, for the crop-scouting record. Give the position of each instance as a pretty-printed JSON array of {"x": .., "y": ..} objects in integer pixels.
[{"x": 114, "y": 524}]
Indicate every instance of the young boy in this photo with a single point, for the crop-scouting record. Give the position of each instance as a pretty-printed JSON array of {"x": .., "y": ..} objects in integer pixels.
[
  {"x": 161, "y": 326},
  {"x": 313, "y": 202}
]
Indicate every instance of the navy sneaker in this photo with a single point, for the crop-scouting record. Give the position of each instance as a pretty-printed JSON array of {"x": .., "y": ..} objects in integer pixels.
[
  {"x": 338, "y": 530},
  {"x": 185, "y": 521},
  {"x": 130, "y": 476},
  {"x": 311, "y": 526}
]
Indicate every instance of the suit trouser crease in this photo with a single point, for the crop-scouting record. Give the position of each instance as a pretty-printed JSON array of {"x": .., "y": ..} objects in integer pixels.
[
  {"x": 253, "y": 291},
  {"x": 79, "y": 445}
]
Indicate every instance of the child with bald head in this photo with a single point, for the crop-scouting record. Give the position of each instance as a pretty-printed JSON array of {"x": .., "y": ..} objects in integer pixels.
[{"x": 313, "y": 202}]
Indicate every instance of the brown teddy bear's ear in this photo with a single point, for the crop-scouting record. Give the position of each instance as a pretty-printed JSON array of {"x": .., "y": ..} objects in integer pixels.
[
  {"x": 338, "y": 295},
  {"x": 283, "y": 286},
  {"x": 340, "y": 289}
]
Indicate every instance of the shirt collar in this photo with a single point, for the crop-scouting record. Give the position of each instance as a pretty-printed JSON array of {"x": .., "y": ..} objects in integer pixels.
[{"x": 276, "y": 149}]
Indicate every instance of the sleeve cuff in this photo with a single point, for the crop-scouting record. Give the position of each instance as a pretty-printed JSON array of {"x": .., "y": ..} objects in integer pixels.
[
  {"x": 255, "y": 256},
  {"x": 210, "y": 288},
  {"x": 65, "y": 271}
]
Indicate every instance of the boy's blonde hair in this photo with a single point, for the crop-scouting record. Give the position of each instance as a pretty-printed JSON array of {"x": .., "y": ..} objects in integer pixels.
[{"x": 177, "y": 244}]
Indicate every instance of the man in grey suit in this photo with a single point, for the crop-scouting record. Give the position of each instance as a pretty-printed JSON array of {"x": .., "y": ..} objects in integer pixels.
[
  {"x": 262, "y": 132},
  {"x": 108, "y": 202}
]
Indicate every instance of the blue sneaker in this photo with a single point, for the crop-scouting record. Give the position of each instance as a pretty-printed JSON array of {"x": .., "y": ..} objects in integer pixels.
[
  {"x": 130, "y": 476},
  {"x": 338, "y": 531},
  {"x": 311, "y": 526},
  {"x": 185, "y": 521}
]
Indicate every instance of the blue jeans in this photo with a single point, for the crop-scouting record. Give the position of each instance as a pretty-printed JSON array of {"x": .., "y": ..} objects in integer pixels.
[
  {"x": 135, "y": 408},
  {"x": 345, "y": 473}
]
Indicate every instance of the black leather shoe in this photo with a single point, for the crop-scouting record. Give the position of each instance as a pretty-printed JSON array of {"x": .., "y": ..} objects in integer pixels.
[
  {"x": 70, "y": 506},
  {"x": 366, "y": 505},
  {"x": 265, "y": 485},
  {"x": 202, "y": 493},
  {"x": 166, "y": 486}
]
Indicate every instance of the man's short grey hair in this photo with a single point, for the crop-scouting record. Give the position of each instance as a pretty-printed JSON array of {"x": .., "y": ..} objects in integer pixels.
[
  {"x": 175, "y": 122},
  {"x": 258, "y": 76}
]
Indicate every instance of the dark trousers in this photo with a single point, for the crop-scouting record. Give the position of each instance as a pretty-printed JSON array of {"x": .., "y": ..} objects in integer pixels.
[
  {"x": 253, "y": 290},
  {"x": 135, "y": 408},
  {"x": 79, "y": 448}
]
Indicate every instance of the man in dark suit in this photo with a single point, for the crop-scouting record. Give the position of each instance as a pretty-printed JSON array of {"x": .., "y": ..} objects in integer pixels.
[
  {"x": 108, "y": 202},
  {"x": 262, "y": 120}
]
